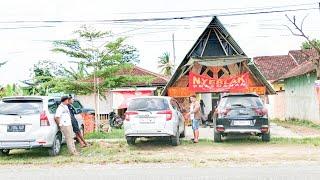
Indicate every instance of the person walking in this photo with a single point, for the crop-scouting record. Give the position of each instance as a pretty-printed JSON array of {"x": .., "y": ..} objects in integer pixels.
[
  {"x": 63, "y": 120},
  {"x": 195, "y": 116},
  {"x": 75, "y": 125}
]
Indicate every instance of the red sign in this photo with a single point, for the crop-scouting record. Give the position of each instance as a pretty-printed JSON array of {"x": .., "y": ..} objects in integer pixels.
[{"x": 199, "y": 83}]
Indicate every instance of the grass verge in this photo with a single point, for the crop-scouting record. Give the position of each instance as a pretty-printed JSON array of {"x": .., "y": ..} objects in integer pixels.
[
  {"x": 296, "y": 122},
  {"x": 114, "y": 134},
  {"x": 152, "y": 151}
]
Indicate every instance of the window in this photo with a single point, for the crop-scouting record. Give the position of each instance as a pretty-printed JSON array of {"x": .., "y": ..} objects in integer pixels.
[
  {"x": 52, "y": 106},
  {"x": 148, "y": 104},
  {"x": 246, "y": 101},
  {"x": 21, "y": 107},
  {"x": 77, "y": 105}
]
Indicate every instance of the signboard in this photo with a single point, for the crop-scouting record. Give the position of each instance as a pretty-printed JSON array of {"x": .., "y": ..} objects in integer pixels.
[
  {"x": 261, "y": 90},
  {"x": 179, "y": 92},
  {"x": 200, "y": 83}
]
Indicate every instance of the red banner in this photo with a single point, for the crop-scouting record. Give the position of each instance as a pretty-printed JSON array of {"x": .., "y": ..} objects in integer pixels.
[{"x": 199, "y": 83}]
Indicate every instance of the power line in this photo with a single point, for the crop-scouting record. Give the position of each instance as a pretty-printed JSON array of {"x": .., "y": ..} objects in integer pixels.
[
  {"x": 201, "y": 10},
  {"x": 162, "y": 18}
]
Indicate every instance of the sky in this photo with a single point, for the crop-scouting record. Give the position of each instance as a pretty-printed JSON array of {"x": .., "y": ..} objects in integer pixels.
[{"x": 23, "y": 44}]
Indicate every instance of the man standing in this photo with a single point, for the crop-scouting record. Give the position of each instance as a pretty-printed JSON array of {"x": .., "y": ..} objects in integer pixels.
[
  {"x": 75, "y": 125},
  {"x": 195, "y": 116},
  {"x": 63, "y": 120}
]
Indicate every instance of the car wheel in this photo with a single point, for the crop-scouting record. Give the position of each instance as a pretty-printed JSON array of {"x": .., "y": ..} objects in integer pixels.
[
  {"x": 183, "y": 134},
  {"x": 131, "y": 140},
  {"x": 5, "y": 151},
  {"x": 265, "y": 137},
  {"x": 56, "y": 147},
  {"x": 175, "y": 140},
  {"x": 217, "y": 137}
]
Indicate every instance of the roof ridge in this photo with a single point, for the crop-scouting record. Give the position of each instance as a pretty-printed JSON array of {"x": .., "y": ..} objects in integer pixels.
[{"x": 147, "y": 71}]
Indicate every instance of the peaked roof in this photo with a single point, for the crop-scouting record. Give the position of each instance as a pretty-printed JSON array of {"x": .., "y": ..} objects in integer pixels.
[
  {"x": 303, "y": 68},
  {"x": 284, "y": 66},
  {"x": 215, "y": 43},
  {"x": 270, "y": 65},
  {"x": 158, "y": 79}
]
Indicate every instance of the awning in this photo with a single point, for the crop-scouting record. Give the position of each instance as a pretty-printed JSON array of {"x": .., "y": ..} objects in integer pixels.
[
  {"x": 120, "y": 97},
  {"x": 217, "y": 61}
]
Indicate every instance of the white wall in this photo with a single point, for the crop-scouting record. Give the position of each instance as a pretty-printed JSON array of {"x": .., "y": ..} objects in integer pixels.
[
  {"x": 105, "y": 104},
  {"x": 301, "y": 99}
]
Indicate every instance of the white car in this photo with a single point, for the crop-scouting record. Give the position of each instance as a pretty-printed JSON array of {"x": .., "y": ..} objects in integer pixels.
[
  {"x": 28, "y": 122},
  {"x": 154, "y": 116}
]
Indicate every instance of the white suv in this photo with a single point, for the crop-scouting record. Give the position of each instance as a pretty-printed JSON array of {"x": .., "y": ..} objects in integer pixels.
[
  {"x": 28, "y": 122},
  {"x": 154, "y": 116}
]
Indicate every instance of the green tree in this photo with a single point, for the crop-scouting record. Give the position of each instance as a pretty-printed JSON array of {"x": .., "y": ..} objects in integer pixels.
[
  {"x": 102, "y": 62},
  {"x": 165, "y": 64},
  {"x": 42, "y": 73},
  {"x": 308, "y": 45},
  {"x": 10, "y": 90}
]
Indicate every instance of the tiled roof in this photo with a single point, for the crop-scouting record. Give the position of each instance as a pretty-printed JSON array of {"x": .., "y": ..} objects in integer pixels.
[
  {"x": 303, "y": 68},
  {"x": 278, "y": 67},
  {"x": 301, "y": 56},
  {"x": 158, "y": 79},
  {"x": 273, "y": 67}
]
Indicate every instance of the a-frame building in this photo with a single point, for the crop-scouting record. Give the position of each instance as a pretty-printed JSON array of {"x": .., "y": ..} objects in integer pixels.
[{"x": 215, "y": 55}]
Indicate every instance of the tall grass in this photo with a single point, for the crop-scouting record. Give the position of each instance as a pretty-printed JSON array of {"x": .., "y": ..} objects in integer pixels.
[{"x": 113, "y": 134}]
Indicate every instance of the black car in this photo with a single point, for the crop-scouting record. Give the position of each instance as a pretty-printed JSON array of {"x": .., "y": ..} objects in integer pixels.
[{"x": 241, "y": 114}]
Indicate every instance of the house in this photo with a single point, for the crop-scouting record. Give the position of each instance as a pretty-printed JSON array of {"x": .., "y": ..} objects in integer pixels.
[
  {"x": 215, "y": 64},
  {"x": 116, "y": 98},
  {"x": 293, "y": 77}
]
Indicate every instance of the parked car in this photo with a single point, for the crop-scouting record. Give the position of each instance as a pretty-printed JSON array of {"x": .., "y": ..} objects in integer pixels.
[
  {"x": 154, "y": 116},
  {"x": 241, "y": 114},
  {"x": 27, "y": 122}
]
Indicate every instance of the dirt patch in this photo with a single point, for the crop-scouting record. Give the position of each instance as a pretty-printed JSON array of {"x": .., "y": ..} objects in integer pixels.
[
  {"x": 230, "y": 154},
  {"x": 302, "y": 130}
]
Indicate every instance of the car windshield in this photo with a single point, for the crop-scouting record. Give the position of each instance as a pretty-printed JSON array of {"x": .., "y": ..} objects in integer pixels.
[
  {"x": 20, "y": 107},
  {"x": 240, "y": 101},
  {"x": 148, "y": 104}
]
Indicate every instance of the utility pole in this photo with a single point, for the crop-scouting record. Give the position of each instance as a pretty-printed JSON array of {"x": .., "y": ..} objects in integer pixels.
[{"x": 174, "y": 53}]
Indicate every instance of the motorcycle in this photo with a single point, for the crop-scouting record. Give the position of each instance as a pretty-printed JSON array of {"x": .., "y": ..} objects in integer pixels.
[{"x": 115, "y": 120}]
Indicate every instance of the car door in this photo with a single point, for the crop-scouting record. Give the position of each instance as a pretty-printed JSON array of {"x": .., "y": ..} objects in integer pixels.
[{"x": 178, "y": 113}]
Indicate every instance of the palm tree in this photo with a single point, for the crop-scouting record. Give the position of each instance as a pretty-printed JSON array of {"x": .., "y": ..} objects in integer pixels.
[{"x": 165, "y": 64}]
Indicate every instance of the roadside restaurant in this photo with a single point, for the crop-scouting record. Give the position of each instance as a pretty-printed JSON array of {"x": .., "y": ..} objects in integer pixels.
[{"x": 214, "y": 65}]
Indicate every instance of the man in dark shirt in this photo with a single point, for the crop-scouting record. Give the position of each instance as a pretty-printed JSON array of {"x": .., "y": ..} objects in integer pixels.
[{"x": 75, "y": 125}]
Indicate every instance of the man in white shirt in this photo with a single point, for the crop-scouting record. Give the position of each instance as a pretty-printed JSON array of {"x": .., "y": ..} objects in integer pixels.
[{"x": 63, "y": 120}]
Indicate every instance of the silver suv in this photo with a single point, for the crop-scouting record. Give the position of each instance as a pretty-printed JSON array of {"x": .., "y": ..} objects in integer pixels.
[{"x": 28, "y": 122}]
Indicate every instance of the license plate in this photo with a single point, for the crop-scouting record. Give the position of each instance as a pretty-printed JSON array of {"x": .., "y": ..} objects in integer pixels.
[
  {"x": 16, "y": 128},
  {"x": 147, "y": 121},
  {"x": 241, "y": 123},
  {"x": 244, "y": 112}
]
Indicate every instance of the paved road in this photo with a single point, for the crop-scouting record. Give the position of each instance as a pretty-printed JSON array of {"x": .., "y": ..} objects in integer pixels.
[{"x": 89, "y": 172}]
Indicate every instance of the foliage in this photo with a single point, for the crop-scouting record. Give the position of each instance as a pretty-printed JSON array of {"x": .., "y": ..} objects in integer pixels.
[
  {"x": 307, "y": 44},
  {"x": 113, "y": 134},
  {"x": 10, "y": 90},
  {"x": 100, "y": 63},
  {"x": 165, "y": 64},
  {"x": 42, "y": 73}
]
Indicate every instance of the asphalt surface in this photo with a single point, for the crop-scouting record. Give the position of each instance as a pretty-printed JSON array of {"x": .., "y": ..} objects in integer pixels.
[{"x": 132, "y": 172}]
